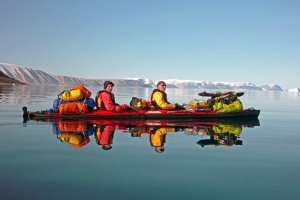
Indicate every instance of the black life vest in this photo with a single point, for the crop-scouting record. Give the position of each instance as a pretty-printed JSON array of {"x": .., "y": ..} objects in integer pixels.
[{"x": 154, "y": 102}]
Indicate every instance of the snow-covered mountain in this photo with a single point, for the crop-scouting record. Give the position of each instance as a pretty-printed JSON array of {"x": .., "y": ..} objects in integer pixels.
[
  {"x": 15, "y": 74},
  {"x": 214, "y": 85},
  {"x": 10, "y": 73}
]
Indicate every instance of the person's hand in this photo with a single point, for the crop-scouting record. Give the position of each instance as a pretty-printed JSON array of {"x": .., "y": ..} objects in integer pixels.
[
  {"x": 124, "y": 106},
  {"x": 179, "y": 107},
  {"x": 121, "y": 107},
  {"x": 177, "y": 129}
]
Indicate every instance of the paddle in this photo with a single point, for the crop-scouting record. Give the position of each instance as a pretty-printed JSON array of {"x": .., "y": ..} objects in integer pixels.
[{"x": 219, "y": 94}]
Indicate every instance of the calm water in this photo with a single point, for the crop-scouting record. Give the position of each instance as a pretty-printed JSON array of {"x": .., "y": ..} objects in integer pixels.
[{"x": 262, "y": 162}]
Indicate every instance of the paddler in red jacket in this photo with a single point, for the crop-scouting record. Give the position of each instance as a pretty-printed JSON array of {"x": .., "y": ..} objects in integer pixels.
[{"x": 105, "y": 99}]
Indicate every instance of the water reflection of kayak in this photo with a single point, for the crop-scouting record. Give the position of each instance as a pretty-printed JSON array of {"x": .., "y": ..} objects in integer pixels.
[
  {"x": 148, "y": 114},
  {"x": 79, "y": 132},
  {"x": 157, "y": 123}
]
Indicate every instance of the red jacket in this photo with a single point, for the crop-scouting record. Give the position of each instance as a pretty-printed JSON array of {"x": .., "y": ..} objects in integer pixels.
[{"x": 106, "y": 100}]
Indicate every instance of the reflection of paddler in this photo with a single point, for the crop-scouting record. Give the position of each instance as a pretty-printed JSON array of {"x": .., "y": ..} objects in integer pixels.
[
  {"x": 104, "y": 136},
  {"x": 76, "y": 140},
  {"x": 227, "y": 128},
  {"x": 223, "y": 134},
  {"x": 158, "y": 137}
]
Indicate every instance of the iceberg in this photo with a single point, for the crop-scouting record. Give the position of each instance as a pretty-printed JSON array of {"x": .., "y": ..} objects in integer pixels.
[{"x": 294, "y": 90}]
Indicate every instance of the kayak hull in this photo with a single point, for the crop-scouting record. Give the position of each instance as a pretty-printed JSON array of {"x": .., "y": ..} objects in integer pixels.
[{"x": 148, "y": 115}]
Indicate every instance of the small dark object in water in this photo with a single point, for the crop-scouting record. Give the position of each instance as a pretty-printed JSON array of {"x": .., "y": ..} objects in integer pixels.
[{"x": 25, "y": 114}]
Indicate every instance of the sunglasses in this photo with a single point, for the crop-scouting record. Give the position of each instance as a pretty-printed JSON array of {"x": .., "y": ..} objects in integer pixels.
[{"x": 163, "y": 85}]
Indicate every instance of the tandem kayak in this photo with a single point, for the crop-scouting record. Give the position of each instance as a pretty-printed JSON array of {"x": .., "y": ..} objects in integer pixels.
[{"x": 145, "y": 115}]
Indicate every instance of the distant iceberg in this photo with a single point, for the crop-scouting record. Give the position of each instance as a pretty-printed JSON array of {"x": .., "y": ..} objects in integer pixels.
[
  {"x": 294, "y": 90},
  {"x": 271, "y": 87}
]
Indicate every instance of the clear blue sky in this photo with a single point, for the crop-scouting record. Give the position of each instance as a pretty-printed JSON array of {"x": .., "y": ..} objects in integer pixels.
[{"x": 254, "y": 41}]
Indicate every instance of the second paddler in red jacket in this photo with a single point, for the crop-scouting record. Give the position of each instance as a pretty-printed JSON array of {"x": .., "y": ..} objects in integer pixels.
[{"x": 105, "y": 99}]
